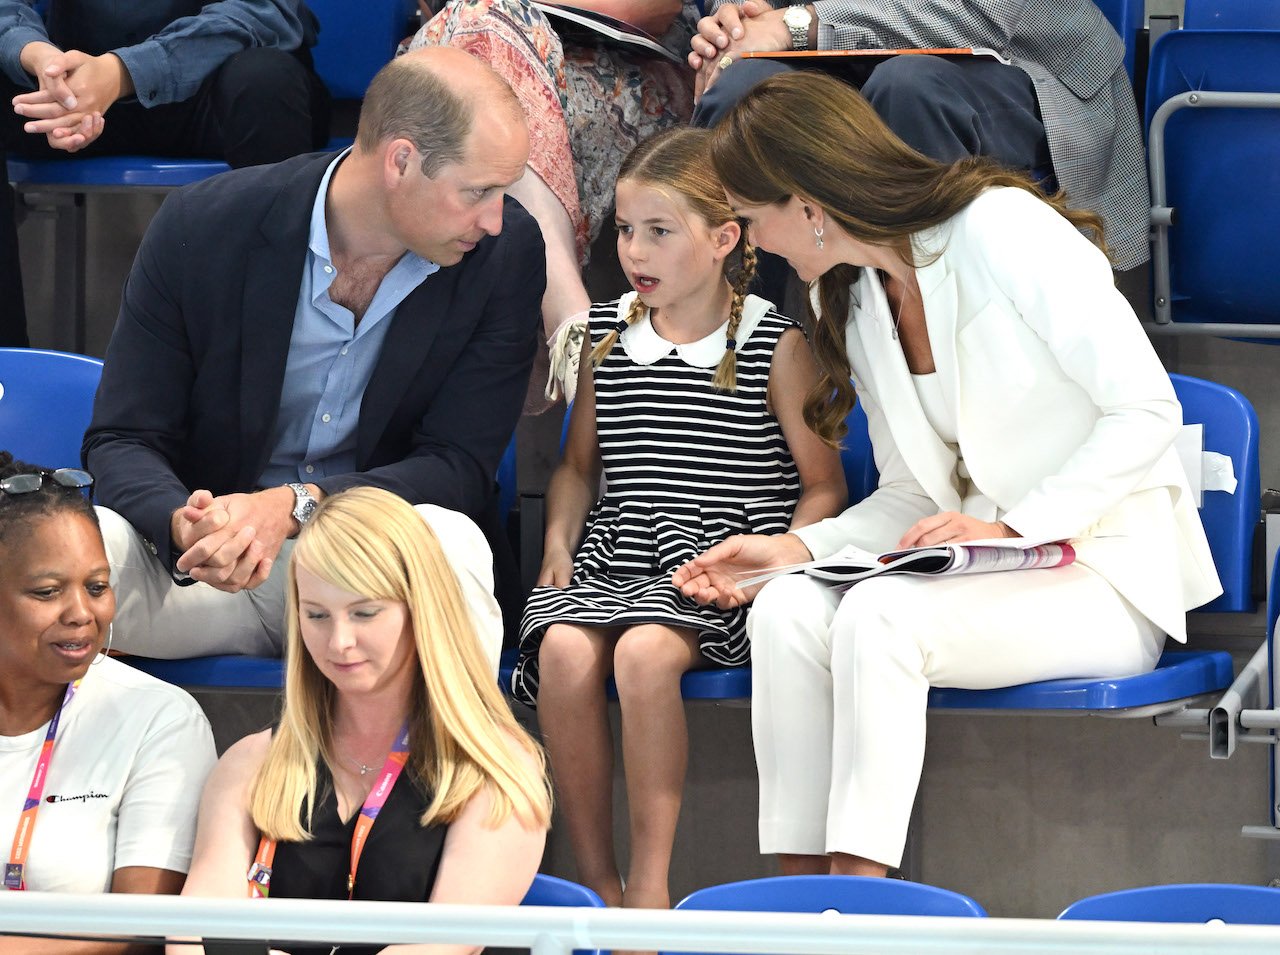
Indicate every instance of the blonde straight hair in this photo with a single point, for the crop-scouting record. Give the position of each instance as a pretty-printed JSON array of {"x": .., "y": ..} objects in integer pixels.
[{"x": 461, "y": 731}]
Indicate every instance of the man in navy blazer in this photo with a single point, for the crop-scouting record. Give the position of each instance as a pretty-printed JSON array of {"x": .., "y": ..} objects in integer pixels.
[{"x": 289, "y": 331}]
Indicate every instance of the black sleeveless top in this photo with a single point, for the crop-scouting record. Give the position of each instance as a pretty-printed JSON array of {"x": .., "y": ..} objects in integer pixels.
[{"x": 399, "y": 862}]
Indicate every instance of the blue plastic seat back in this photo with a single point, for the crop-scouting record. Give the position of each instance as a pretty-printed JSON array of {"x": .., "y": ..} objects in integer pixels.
[
  {"x": 356, "y": 40},
  {"x": 46, "y": 401},
  {"x": 1242, "y": 904},
  {"x": 549, "y": 890},
  {"x": 142, "y": 172},
  {"x": 1223, "y": 180},
  {"x": 1230, "y": 428},
  {"x": 1128, "y": 17},
  {"x": 860, "y": 474},
  {"x": 506, "y": 478},
  {"x": 1231, "y": 15},
  {"x": 846, "y": 894}
]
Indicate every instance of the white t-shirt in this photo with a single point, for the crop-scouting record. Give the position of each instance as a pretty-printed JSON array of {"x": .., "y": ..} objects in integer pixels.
[{"x": 130, "y": 760}]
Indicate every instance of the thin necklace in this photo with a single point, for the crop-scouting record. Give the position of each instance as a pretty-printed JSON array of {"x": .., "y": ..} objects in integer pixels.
[
  {"x": 364, "y": 770},
  {"x": 896, "y": 316}
]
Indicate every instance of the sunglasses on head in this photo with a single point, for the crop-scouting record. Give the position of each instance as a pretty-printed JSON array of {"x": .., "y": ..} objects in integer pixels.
[{"x": 30, "y": 483}]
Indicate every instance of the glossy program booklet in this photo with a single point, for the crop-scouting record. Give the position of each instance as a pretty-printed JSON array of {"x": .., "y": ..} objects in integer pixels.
[
  {"x": 576, "y": 22},
  {"x": 851, "y": 564}
]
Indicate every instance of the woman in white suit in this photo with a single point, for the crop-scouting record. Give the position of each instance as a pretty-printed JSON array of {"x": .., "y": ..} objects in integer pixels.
[{"x": 1010, "y": 391}]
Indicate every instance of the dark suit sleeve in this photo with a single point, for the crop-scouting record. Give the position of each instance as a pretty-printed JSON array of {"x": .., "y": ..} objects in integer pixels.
[
  {"x": 140, "y": 412},
  {"x": 460, "y": 437}
]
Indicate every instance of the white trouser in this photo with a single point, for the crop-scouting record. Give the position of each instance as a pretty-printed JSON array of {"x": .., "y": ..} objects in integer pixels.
[
  {"x": 840, "y": 686},
  {"x": 157, "y": 618}
]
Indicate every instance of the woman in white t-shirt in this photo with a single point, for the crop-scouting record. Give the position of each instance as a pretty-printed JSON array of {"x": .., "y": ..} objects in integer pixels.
[{"x": 101, "y": 766}]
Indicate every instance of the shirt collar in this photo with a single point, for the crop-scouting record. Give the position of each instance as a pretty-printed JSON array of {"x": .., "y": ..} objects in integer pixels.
[
  {"x": 645, "y": 346},
  {"x": 318, "y": 236}
]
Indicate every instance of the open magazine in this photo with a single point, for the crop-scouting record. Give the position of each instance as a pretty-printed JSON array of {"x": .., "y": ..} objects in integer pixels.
[
  {"x": 848, "y": 566},
  {"x": 588, "y": 24}
]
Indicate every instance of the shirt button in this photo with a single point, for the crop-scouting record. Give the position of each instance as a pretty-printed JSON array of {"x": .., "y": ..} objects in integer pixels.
[
  {"x": 344, "y": 351},
  {"x": 328, "y": 268},
  {"x": 324, "y": 418},
  {"x": 310, "y": 468}
]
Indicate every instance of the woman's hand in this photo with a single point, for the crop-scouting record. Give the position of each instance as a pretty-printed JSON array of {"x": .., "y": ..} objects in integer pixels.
[
  {"x": 557, "y": 569},
  {"x": 952, "y": 527},
  {"x": 712, "y": 576}
]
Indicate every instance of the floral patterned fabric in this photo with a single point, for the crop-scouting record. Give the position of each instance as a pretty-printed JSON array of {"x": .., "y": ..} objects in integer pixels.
[{"x": 587, "y": 105}]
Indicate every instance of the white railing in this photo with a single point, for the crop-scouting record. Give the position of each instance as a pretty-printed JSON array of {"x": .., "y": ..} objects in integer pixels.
[{"x": 555, "y": 931}]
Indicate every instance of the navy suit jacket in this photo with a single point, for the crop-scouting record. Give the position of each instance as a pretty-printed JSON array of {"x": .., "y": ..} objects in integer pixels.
[{"x": 191, "y": 388}]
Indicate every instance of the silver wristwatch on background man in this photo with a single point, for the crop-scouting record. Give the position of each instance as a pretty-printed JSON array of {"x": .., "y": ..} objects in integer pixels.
[{"x": 798, "y": 20}]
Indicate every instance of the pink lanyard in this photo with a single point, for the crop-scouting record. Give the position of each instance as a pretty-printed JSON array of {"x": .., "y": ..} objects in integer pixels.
[
  {"x": 14, "y": 878},
  {"x": 259, "y": 876}
]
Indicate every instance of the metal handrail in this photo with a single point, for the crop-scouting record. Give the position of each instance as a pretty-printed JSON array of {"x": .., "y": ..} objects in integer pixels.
[{"x": 555, "y": 931}]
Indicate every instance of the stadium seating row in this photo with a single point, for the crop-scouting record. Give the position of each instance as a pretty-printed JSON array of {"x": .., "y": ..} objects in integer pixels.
[{"x": 42, "y": 386}]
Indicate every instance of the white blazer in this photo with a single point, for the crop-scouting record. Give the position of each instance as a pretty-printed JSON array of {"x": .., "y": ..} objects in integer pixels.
[{"x": 1065, "y": 416}]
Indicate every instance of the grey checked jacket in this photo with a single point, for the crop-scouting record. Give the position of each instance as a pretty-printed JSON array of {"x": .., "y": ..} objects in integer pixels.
[{"x": 1076, "y": 61}]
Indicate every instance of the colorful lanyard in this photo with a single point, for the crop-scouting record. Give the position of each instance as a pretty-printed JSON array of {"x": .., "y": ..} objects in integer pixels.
[
  {"x": 14, "y": 878},
  {"x": 259, "y": 876}
]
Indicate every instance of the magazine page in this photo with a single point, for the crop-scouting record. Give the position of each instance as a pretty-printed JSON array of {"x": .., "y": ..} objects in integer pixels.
[
  {"x": 852, "y": 564},
  {"x": 575, "y": 21}
]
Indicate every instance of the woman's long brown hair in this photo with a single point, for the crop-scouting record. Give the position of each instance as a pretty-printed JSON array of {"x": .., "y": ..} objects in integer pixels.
[{"x": 809, "y": 135}]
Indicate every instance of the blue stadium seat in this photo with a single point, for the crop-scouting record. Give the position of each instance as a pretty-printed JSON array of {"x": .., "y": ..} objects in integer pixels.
[
  {"x": 551, "y": 891},
  {"x": 1230, "y": 15},
  {"x": 1213, "y": 118},
  {"x": 1230, "y": 428},
  {"x": 1210, "y": 902},
  {"x": 1129, "y": 18},
  {"x": 46, "y": 401},
  {"x": 843, "y": 894},
  {"x": 355, "y": 41}
]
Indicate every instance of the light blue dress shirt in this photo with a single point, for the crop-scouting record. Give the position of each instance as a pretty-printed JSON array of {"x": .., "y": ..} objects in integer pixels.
[{"x": 331, "y": 359}]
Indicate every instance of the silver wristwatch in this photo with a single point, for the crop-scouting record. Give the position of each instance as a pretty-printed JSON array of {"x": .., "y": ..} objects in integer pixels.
[
  {"x": 798, "y": 20},
  {"x": 304, "y": 505}
]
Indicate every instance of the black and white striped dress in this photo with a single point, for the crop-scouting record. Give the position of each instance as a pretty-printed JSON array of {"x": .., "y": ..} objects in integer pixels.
[{"x": 685, "y": 467}]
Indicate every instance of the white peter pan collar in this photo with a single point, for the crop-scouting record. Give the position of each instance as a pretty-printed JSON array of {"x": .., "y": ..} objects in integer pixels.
[{"x": 645, "y": 346}]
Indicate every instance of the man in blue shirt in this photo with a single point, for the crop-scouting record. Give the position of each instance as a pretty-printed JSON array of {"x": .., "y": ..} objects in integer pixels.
[
  {"x": 230, "y": 80},
  {"x": 288, "y": 331}
]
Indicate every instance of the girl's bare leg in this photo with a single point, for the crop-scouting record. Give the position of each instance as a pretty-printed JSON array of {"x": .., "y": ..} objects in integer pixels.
[
  {"x": 648, "y": 663},
  {"x": 574, "y": 716}
]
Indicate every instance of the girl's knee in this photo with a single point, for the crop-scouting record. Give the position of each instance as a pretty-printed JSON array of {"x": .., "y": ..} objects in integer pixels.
[
  {"x": 650, "y": 659},
  {"x": 567, "y": 650}
]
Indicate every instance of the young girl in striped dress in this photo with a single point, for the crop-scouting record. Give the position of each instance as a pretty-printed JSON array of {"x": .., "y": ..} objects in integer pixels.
[{"x": 690, "y": 402}]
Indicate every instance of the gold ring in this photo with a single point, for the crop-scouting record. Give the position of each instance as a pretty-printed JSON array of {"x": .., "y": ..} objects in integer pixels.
[{"x": 725, "y": 62}]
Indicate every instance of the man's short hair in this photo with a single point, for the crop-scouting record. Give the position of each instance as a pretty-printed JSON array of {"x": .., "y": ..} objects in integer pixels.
[{"x": 409, "y": 101}]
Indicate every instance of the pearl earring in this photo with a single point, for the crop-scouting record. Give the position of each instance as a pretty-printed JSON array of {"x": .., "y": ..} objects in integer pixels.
[{"x": 817, "y": 236}]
